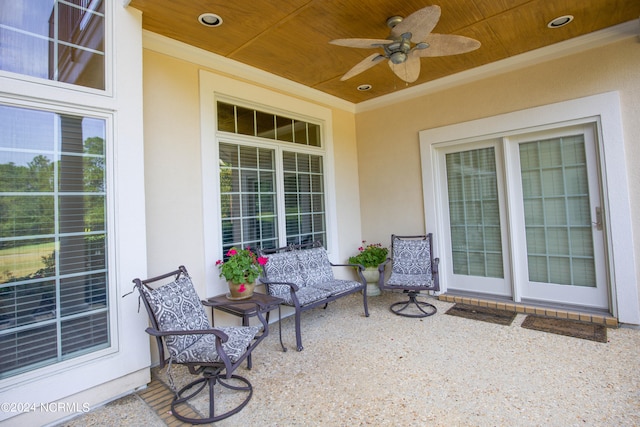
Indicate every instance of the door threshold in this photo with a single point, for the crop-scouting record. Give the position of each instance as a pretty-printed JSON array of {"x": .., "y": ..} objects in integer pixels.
[{"x": 530, "y": 308}]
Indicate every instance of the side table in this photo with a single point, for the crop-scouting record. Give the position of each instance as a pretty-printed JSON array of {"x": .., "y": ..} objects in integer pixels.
[{"x": 247, "y": 310}]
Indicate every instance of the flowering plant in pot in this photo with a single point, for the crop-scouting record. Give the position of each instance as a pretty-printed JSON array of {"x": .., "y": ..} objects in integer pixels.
[
  {"x": 241, "y": 269},
  {"x": 370, "y": 256}
]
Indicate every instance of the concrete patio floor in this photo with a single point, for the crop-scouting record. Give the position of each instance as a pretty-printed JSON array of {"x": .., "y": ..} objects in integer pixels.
[{"x": 387, "y": 370}]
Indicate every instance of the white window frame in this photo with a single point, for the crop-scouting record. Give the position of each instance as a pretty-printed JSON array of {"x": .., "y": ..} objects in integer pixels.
[
  {"x": 124, "y": 366},
  {"x": 602, "y": 109},
  {"x": 214, "y": 87},
  {"x": 111, "y": 242}
]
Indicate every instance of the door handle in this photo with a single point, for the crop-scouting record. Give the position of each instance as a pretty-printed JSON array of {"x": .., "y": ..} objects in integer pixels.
[{"x": 598, "y": 223}]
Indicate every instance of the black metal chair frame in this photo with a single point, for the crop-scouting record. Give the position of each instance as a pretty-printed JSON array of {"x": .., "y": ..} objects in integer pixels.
[
  {"x": 294, "y": 287},
  {"x": 212, "y": 373},
  {"x": 424, "y": 309}
]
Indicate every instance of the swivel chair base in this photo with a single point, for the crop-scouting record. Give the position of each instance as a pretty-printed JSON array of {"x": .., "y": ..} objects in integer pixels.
[
  {"x": 416, "y": 308},
  {"x": 210, "y": 378}
]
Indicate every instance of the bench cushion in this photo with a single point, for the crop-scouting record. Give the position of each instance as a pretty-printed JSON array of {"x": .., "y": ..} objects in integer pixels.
[
  {"x": 306, "y": 295},
  {"x": 314, "y": 266},
  {"x": 338, "y": 286},
  {"x": 283, "y": 267}
]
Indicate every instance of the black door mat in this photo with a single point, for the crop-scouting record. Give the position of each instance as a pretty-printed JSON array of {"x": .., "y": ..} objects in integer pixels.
[
  {"x": 570, "y": 328},
  {"x": 486, "y": 314}
]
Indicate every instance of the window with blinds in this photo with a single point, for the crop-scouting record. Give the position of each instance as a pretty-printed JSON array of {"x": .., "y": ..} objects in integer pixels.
[
  {"x": 271, "y": 194},
  {"x": 59, "y": 40},
  {"x": 53, "y": 238}
]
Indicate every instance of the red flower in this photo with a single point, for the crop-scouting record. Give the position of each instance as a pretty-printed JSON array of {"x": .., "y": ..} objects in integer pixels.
[
  {"x": 218, "y": 262},
  {"x": 232, "y": 252},
  {"x": 262, "y": 260}
]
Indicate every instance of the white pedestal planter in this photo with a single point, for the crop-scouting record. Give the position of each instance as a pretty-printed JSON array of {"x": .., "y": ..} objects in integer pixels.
[{"x": 371, "y": 275}]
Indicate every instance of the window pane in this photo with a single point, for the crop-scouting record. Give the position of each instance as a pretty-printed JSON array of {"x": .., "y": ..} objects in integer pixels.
[
  {"x": 314, "y": 135},
  {"x": 302, "y": 198},
  {"x": 266, "y": 125},
  {"x": 55, "y": 40},
  {"x": 52, "y": 234},
  {"x": 247, "y": 196},
  {"x": 284, "y": 129},
  {"x": 300, "y": 132},
  {"x": 226, "y": 117},
  {"x": 244, "y": 117},
  {"x": 557, "y": 218},
  {"x": 474, "y": 213}
]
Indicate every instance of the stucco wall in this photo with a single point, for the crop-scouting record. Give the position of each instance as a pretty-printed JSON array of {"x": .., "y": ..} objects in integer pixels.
[
  {"x": 173, "y": 172},
  {"x": 388, "y": 144}
]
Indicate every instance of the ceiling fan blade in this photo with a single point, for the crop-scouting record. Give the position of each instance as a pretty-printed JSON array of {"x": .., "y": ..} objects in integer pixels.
[
  {"x": 420, "y": 23},
  {"x": 361, "y": 43},
  {"x": 363, "y": 65},
  {"x": 447, "y": 44},
  {"x": 409, "y": 70}
]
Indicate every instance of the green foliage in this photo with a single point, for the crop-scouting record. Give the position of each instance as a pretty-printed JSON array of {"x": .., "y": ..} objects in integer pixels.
[
  {"x": 370, "y": 255},
  {"x": 241, "y": 266}
]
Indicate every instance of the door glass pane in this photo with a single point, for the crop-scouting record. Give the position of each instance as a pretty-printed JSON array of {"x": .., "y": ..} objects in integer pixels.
[
  {"x": 247, "y": 197},
  {"x": 556, "y": 211},
  {"x": 474, "y": 213}
]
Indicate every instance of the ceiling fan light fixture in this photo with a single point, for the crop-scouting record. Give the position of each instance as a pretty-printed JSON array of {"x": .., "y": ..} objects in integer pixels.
[
  {"x": 364, "y": 88},
  {"x": 560, "y": 21},
  {"x": 398, "y": 57},
  {"x": 210, "y": 20}
]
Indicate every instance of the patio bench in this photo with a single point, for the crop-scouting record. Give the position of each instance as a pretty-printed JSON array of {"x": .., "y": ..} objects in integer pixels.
[{"x": 302, "y": 276}]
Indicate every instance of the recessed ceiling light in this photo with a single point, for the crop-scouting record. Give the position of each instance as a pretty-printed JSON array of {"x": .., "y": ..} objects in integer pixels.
[
  {"x": 560, "y": 21},
  {"x": 210, "y": 20},
  {"x": 363, "y": 88}
]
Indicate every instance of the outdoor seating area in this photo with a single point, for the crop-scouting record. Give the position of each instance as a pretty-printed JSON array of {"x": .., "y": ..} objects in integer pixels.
[{"x": 456, "y": 371}]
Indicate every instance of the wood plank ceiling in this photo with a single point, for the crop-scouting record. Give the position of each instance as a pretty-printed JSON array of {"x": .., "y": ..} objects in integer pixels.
[{"x": 290, "y": 38}]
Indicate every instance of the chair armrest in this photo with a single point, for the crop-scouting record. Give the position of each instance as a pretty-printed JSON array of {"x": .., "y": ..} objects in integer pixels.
[
  {"x": 383, "y": 264},
  {"x": 273, "y": 282},
  {"x": 259, "y": 305},
  {"x": 358, "y": 266},
  {"x": 218, "y": 333}
]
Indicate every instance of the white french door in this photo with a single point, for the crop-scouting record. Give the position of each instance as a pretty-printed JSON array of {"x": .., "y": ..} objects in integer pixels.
[
  {"x": 558, "y": 214},
  {"x": 524, "y": 217},
  {"x": 477, "y": 243}
]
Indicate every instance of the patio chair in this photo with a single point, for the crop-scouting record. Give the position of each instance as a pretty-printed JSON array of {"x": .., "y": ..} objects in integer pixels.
[
  {"x": 413, "y": 270},
  {"x": 178, "y": 320}
]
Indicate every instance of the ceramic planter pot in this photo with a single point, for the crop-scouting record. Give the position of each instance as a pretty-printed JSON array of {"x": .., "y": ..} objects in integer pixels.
[{"x": 240, "y": 291}]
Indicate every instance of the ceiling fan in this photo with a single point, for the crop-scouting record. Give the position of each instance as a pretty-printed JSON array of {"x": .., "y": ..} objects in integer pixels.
[{"x": 409, "y": 40}]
